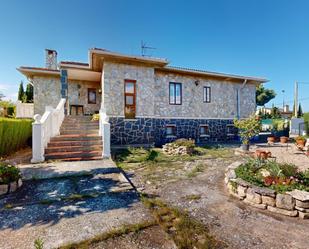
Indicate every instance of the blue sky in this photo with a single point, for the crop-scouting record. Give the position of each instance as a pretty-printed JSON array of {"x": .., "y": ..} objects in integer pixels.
[{"x": 267, "y": 38}]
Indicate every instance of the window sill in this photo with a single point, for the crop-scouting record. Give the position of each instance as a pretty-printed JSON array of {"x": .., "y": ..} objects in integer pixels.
[
  {"x": 130, "y": 119},
  {"x": 230, "y": 135},
  {"x": 205, "y": 135},
  {"x": 170, "y": 136}
]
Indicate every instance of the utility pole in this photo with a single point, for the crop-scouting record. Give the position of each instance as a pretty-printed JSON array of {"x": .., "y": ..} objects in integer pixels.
[{"x": 295, "y": 99}]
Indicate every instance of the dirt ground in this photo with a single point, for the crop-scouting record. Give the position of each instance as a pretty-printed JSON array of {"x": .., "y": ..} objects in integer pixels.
[
  {"x": 149, "y": 238},
  {"x": 204, "y": 196}
]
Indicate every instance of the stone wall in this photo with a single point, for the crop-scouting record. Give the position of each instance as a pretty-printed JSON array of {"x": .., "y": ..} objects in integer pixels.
[
  {"x": 152, "y": 98},
  {"x": 113, "y": 76},
  {"x": 46, "y": 92},
  {"x": 294, "y": 203},
  {"x": 78, "y": 94},
  {"x": 152, "y": 131}
]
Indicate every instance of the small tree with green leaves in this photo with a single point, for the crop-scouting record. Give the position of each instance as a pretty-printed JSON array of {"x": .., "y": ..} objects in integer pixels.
[
  {"x": 29, "y": 93},
  {"x": 248, "y": 128},
  {"x": 21, "y": 92},
  {"x": 300, "y": 111},
  {"x": 264, "y": 95}
]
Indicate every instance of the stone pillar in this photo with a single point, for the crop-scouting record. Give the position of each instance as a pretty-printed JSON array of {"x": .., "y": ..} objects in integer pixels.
[{"x": 37, "y": 140}]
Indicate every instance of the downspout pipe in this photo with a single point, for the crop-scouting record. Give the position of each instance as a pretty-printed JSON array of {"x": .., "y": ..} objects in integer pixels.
[{"x": 238, "y": 97}]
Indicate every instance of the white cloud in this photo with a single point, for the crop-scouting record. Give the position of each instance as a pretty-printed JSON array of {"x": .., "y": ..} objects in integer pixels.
[{"x": 4, "y": 87}]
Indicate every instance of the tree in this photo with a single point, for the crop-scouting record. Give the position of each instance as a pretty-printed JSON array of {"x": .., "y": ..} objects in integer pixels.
[
  {"x": 275, "y": 113},
  {"x": 29, "y": 93},
  {"x": 21, "y": 92},
  {"x": 299, "y": 111},
  {"x": 264, "y": 95},
  {"x": 248, "y": 128}
]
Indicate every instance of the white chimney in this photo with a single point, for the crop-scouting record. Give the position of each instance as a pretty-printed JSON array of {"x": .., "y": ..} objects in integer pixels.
[
  {"x": 286, "y": 108},
  {"x": 51, "y": 59}
]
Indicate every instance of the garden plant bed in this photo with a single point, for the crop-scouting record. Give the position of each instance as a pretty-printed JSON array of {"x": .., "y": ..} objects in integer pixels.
[{"x": 282, "y": 195}]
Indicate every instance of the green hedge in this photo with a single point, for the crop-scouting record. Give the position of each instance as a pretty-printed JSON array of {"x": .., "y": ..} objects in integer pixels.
[{"x": 14, "y": 134}]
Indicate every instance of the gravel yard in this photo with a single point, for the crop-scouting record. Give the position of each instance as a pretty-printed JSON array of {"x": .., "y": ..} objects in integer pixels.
[{"x": 197, "y": 186}]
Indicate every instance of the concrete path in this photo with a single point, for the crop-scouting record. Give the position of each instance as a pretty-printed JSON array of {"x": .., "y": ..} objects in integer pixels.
[{"x": 64, "y": 202}]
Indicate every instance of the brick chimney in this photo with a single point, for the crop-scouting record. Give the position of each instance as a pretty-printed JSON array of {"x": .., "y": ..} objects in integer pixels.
[{"x": 51, "y": 59}]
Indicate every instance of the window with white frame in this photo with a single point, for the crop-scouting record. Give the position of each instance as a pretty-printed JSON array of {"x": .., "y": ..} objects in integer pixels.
[
  {"x": 206, "y": 94},
  {"x": 170, "y": 130}
]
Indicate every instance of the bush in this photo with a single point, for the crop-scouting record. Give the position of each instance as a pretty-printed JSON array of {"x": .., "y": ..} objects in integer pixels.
[
  {"x": 8, "y": 173},
  {"x": 189, "y": 143},
  {"x": 14, "y": 134}
]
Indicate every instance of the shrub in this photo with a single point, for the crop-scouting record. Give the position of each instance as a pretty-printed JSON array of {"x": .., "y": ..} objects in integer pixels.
[
  {"x": 14, "y": 134},
  {"x": 8, "y": 173},
  {"x": 189, "y": 143}
]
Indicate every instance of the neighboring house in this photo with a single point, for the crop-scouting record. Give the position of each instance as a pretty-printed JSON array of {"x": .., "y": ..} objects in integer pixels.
[
  {"x": 285, "y": 112},
  {"x": 147, "y": 101}
]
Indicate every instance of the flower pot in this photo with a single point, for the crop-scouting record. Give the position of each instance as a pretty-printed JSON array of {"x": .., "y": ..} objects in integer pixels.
[
  {"x": 301, "y": 142},
  {"x": 271, "y": 139},
  {"x": 245, "y": 147},
  {"x": 283, "y": 140}
]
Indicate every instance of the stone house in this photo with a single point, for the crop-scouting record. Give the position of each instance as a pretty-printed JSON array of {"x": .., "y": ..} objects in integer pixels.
[{"x": 147, "y": 101}]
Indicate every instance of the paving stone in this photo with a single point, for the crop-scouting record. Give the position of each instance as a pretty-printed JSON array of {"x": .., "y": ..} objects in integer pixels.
[
  {"x": 268, "y": 200},
  {"x": 253, "y": 197},
  {"x": 285, "y": 201},
  {"x": 302, "y": 204},
  {"x": 291, "y": 213}
]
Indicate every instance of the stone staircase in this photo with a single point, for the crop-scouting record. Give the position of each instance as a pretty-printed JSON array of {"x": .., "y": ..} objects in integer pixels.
[{"x": 78, "y": 140}]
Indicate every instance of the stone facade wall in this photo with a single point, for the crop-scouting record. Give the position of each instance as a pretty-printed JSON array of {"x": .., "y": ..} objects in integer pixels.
[
  {"x": 78, "y": 94},
  {"x": 152, "y": 97},
  {"x": 152, "y": 131},
  {"x": 113, "y": 76},
  {"x": 46, "y": 92}
]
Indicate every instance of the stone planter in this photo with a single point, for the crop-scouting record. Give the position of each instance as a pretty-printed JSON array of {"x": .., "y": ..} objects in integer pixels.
[
  {"x": 293, "y": 204},
  {"x": 11, "y": 187}
]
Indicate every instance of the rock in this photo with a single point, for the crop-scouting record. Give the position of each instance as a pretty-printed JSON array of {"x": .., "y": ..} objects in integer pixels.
[
  {"x": 302, "y": 204},
  {"x": 264, "y": 191},
  {"x": 292, "y": 213},
  {"x": 253, "y": 197},
  {"x": 230, "y": 174},
  {"x": 303, "y": 215},
  {"x": 3, "y": 189},
  {"x": 20, "y": 183},
  {"x": 260, "y": 206},
  {"x": 13, "y": 186},
  {"x": 299, "y": 195},
  {"x": 285, "y": 201},
  {"x": 241, "y": 191},
  {"x": 242, "y": 182},
  {"x": 305, "y": 210},
  {"x": 232, "y": 188},
  {"x": 234, "y": 165},
  {"x": 268, "y": 200}
]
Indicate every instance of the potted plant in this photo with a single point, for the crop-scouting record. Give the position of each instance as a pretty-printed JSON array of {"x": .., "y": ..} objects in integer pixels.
[
  {"x": 248, "y": 128},
  {"x": 300, "y": 141},
  {"x": 284, "y": 139},
  {"x": 271, "y": 139}
]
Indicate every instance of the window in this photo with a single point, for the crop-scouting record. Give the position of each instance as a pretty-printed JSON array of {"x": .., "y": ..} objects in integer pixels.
[
  {"x": 92, "y": 96},
  {"x": 170, "y": 130},
  {"x": 230, "y": 130},
  {"x": 204, "y": 130},
  {"x": 175, "y": 93},
  {"x": 207, "y": 94},
  {"x": 129, "y": 99}
]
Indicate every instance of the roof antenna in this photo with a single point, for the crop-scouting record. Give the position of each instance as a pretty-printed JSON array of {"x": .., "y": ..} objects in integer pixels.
[{"x": 144, "y": 48}]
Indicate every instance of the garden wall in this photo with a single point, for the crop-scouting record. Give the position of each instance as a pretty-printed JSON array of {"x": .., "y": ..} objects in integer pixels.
[
  {"x": 294, "y": 203},
  {"x": 14, "y": 134}
]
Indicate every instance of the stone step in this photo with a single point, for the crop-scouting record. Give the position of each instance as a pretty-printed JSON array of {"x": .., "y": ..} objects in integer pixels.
[
  {"x": 82, "y": 131},
  {"x": 72, "y": 159},
  {"x": 73, "y": 154},
  {"x": 74, "y": 143},
  {"x": 80, "y": 122},
  {"x": 73, "y": 148},
  {"x": 77, "y": 137},
  {"x": 95, "y": 126}
]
